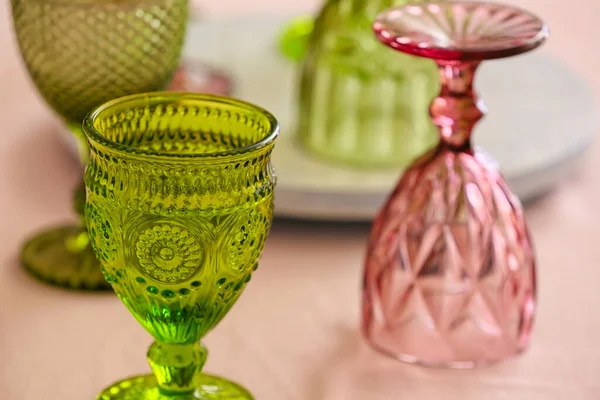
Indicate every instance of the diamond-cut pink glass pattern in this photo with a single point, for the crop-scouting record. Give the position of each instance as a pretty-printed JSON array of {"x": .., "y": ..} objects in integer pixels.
[{"x": 450, "y": 277}]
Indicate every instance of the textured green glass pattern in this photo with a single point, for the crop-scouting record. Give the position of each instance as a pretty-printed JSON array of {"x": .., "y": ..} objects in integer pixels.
[
  {"x": 80, "y": 54},
  {"x": 179, "y": 205},
  {"x": 359, "y": 104},
  {"x": 83, "y": 53}
]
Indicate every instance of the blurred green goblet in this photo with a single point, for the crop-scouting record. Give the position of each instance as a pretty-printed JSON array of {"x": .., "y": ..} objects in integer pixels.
[{"x": 80, "y": 54}]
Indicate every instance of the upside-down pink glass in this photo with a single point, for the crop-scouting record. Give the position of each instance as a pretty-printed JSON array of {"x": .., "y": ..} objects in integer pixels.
[{"x": 450, "y": 272}]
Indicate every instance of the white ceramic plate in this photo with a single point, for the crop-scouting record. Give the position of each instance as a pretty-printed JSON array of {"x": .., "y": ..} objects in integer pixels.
[{"x": 541, "y": 119}]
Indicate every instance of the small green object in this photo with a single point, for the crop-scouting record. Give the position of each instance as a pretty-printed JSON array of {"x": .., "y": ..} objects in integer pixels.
[
  {"x": 179, "y": 205},
  {"x": 360, "y": 103},
  {"x": 80, "y": 54},
  {"x": 294, "y": 38}
]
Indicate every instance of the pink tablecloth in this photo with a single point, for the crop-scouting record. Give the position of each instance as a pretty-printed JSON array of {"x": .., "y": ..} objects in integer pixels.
[{"x": 293, "y": 335}]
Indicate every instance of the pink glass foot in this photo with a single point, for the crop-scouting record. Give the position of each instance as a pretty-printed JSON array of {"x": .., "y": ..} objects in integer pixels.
[
  {"x": 460, "y": 30},
  {"x": 450, "y": 273}
]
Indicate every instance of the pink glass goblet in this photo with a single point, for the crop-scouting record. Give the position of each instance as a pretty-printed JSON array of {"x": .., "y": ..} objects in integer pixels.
[{"x": 449, "y": 276}]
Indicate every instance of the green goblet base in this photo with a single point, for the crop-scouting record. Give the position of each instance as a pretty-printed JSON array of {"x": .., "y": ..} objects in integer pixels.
[
  {"x": 145, "y": 388},
  {"x": 63, "y": 257}
]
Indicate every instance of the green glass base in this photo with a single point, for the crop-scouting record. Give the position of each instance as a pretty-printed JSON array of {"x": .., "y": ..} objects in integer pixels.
[
  {"x": 145, "y": 388},
  {"x": 63, "y": 257}
]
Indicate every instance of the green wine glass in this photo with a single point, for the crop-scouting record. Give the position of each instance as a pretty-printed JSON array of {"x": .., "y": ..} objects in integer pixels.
[
  {"x": 179, "y": 204},
  {"x": 80, "y": 54}
]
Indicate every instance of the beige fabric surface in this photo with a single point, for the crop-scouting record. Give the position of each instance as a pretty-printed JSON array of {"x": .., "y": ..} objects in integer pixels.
[{"x": 293, "y": 335}]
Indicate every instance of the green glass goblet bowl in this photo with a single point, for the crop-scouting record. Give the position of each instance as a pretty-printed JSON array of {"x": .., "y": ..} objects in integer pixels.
[
  {"x": 179, "y": 205},
  {"x": 80, "y": 54}
]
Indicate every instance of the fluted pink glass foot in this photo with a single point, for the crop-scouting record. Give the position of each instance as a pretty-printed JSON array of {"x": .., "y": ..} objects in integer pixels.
[{"x": 450, "y": 272}]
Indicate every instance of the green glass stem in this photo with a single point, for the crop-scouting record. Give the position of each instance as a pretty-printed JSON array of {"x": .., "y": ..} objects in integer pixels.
[
  {"x": 177, "y": 367},
  {"x": 80, "y": 241}
]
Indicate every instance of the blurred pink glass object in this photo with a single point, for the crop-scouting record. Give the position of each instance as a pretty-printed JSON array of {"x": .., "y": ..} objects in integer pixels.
[
  {"x": 450, "y": 272},
  {"x": 194, "y": 76},
  {"x": 195, "y": 10}
]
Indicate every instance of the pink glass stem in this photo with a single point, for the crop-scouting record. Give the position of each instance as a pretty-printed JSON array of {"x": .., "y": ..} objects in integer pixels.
[{"x": 457, "y": 108}]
